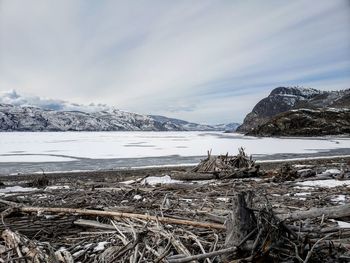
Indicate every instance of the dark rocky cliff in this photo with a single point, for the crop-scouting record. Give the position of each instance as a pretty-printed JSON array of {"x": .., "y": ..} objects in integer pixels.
[
  {"x": 306, "y": 122},
  {"x": 286, "y": 108}
]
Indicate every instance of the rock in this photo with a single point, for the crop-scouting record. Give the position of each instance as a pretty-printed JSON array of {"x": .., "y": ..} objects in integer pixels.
[
  {"x": 306, "y": 122},
  {"x": 290, "y": 111},
  {"x": 305, "y": 173},
  {"x": 280, "y": 100}
]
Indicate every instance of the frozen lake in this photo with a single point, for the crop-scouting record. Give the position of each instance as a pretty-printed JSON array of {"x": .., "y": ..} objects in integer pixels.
[{"x": 66, "y": 151}]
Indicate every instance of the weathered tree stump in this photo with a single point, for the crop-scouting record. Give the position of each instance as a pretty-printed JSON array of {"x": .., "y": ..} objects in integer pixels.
[{"x": 241, "y": 221}]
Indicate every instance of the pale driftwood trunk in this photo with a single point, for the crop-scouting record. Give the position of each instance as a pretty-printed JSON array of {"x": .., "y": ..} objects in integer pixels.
[
  {"x": 240, "y": 221},
  {"x": 329, "y": 212},
  {"x": 166, "y": 220}
]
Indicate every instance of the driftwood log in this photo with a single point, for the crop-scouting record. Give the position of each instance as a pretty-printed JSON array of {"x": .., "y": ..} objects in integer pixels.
[
  {"x": 240, "y": 221},
  {"x": 328, "y": 212},
  {"x": 87, "y": 212}
]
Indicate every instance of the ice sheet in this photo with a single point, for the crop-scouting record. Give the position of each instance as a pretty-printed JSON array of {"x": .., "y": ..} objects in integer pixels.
[
  {"x": 106, "y": 145},
  {"x": 34, "y": 158}
]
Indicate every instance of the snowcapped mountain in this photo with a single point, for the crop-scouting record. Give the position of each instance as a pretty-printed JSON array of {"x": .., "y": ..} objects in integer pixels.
[
  {"x": 299, "y": 111},
  {"x": 281, "y": 99},
  {"x": 27, "y": 118},
  {"x": 190, "y": 126},
  {"x": 18, "y": 113},
  {"x": 227, "y": 127}
]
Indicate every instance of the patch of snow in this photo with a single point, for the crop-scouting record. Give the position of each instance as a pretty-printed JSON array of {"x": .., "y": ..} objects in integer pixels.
[
  {"x": 343, "y": 224},
  {"x": 100, "y": 246},
  {"x": 276, "y": 195},
  {"x": 339, "y": 199},
  {"x": 325, "y": 183},
  {"x": 223, "y": 199},
  {"x": 186, "y": 200},
  {"x": 302, "y": 194},
  {"x": 303, "y": 166},
  {"x": 88, "y": 245},
  {"x": 128, "y": 182},
  {"x": 332, "y": 171},
  {"x": 137, "y": 197},
  {"x": 154, "y": 180},
  {"x": 15, "y": 189},
  {"x": 303, "y": 187},
  {"x": 56, "y": 187}
]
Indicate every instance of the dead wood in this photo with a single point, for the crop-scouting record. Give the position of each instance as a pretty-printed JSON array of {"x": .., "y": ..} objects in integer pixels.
[
  {"x": 286, "y": 227},
  {"x": 241, "y": 221},
  {"x": 166, "y": 220},
  {"x": 203, "y": 256},
  {"x": 225, "y": 166},
  {"x": 329, "y": 212}
]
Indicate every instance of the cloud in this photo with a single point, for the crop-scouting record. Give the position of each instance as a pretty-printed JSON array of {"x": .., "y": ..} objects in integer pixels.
[
  {"x": 12, "y": 97},
  {"x": 193, "y": 60}
]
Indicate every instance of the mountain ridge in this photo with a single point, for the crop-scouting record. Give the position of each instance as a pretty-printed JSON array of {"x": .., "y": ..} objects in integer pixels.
[
  {"x": 18, "y": 112},
  {"x": 287, "y": 109},
  {"x": 29, "y": 118}
]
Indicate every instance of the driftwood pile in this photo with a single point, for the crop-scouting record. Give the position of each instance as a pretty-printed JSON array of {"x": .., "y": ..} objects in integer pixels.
[
  {"x": 229, "y": 220},
  {"x": 225, "y": 166}
]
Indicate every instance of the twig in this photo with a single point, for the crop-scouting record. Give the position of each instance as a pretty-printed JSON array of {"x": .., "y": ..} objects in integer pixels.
[{"x": 203, "y": 256}]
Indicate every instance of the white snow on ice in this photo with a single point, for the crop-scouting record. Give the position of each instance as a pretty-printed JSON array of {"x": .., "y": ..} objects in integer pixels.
[
  {"x": 343, "y": 224},
  {"x": 33, "y": 158},
  {"x": 15, "y": 189},
  {"x": 154, "y": 180},
  {"x": 105, "y": 145},
  {"x": 137, "y": 197},
  {"x": 101, "y": 246},
  {"x": 332, "y": 171},
  {"x": 223, "y": 199},
  {"x": 56, "y": 187},
  {"x": 302, "y": 194},
  {"x": 339, "y": 199},
  {"x": 324, "y": 183}
]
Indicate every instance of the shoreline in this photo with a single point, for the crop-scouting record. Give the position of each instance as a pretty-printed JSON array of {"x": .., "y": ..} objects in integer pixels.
[
  {"x": 80, "y": 214},
  {"x": 137, "y": 172},
  {"x": 86, "y": 165}
]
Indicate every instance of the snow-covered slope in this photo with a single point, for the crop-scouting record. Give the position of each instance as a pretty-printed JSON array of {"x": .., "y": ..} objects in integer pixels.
[
  {"x": 190, "y": 126},
  {"x": 17, "y": 118},
  {"x": 27, "y": 118},
  {"x": 33, "y": 113}
]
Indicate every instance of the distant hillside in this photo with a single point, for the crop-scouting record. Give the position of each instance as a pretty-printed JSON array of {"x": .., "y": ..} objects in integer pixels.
[
  {"x": 190, "y": 126},
  {"x": 290, "y": 107},
  {"x": 306, "y": 122},
  {"x": 29, "y": 118}
]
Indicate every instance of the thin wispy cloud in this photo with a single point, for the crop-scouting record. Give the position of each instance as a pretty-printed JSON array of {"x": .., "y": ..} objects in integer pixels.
[{"x": 205, "y": 61}]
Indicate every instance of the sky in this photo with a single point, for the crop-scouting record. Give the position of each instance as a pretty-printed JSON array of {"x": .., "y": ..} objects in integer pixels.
[{"x": 198, "y": 60}]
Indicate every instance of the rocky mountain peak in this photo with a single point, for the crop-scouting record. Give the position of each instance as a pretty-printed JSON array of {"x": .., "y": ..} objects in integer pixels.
[
  {"x": 283, "y": 99},
  {"x": 301, "y": 92}
]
